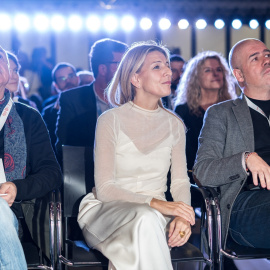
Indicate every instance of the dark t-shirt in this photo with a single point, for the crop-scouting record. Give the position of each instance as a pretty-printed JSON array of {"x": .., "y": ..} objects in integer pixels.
[{"x": 261, "y": 129}]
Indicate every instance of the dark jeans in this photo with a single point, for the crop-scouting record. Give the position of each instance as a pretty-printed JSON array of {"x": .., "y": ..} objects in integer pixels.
[{"x": 250, "y": 219}]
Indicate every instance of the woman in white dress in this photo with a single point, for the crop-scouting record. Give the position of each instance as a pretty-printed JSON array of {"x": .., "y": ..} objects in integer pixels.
[{"x": 136, "y": 144}]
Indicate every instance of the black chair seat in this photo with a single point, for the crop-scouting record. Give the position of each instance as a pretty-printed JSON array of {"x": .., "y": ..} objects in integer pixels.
[
  {"x": 31, "y": 252},
  {"x": 81, "y": 253},
  {"x": 187, "y": 252},
  {"x": 243, "y": 252},
  {"x": 232, "y": 250}
]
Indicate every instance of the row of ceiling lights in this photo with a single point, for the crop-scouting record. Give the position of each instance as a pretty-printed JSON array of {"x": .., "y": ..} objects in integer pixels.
[{"x": 94, "y": 23}]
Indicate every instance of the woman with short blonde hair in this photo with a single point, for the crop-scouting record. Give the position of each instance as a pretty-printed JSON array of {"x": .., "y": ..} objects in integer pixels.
[{"x": 136, "y": 144}]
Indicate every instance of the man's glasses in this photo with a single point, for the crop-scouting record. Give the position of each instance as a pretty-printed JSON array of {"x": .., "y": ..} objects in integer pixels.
[{"x": 63, "y": 78}]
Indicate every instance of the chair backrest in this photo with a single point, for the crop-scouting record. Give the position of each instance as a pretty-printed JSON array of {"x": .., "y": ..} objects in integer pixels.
[{"x": 78, "y": 171}]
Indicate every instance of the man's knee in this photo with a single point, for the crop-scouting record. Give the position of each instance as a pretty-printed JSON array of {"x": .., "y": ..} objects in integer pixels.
[
  {"x": 6, "y": 212},
  {"x": 4, "y": 208}
]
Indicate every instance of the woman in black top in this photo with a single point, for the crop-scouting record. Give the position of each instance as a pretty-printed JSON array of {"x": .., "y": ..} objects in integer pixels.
[{"x": 205, "y": 81}]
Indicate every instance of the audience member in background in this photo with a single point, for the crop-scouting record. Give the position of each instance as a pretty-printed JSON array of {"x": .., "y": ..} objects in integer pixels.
[
  {"x": 80, "y": 107},
  {"x": 39, "y": 76},
  {"x": 25, "y": 84},
  {"x": 86, "y": 77},
  {"x": 29, "y": 170},
  {"x": 205, "y": 81},
  {"x": 54, "y": 96},
  {"x": 64, "y": 77},
  {"x": 17, "y": 93},
  {"x": 177, "y": 67},
  {"x": 136, "y": 144},
  {"x": 23, "y": 87}
]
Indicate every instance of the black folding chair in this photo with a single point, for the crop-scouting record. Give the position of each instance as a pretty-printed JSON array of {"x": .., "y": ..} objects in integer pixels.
[
  {"x": 78, "y": 181},
  {"x": 35, "y": 258},
  {"x": 232, "y": 250}
]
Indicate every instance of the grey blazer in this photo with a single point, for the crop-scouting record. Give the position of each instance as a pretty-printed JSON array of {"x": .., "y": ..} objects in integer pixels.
[{"x": 227, "y": 132}]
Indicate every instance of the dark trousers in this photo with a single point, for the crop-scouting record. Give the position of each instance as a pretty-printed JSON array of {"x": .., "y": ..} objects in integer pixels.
[{"x": 250, "y": 219}]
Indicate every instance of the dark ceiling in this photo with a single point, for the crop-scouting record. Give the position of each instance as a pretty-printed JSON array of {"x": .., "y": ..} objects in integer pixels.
[{"x": 190, "y": 9}]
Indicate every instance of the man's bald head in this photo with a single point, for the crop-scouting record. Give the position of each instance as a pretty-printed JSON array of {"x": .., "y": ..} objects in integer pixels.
[
  {"x": 235, "y": 53},
  {"x": 250, "y": 64}
]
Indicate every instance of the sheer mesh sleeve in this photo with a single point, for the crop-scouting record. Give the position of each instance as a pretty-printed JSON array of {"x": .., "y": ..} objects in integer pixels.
[{"x": 180, "y": 185}]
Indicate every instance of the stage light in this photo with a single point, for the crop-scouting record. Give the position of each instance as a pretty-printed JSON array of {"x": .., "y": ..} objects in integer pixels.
[
  {"x": 41, "y": 22},
  {"x": 201, "y": 24},
  {"x": 183, "y": 24},
  {"x": 75, "y": 22},
  {"x": 58, "y": 22},
  {"x": 5, "y": 22},
  {"x": 219, "y": 24},
  {"x": 93, "y": 23},
  {"x": 110, "y": 23},
  {"x": 267, "y": 24},
  {"x": 253, "y": 24},
  {"x": 145, "y": 23},
  {"x": 128, "y": 23},
  {"x": 164, "y": 24},
  {"x": 22, "y": 22},
  {"x": 236, "y": 24}
]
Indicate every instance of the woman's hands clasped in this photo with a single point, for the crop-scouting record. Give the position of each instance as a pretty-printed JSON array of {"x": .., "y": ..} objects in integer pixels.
[
  {"x": 179, "y": 232},
  {"x": 176, "y": 209},
  {"x": 180, "y": 227}
]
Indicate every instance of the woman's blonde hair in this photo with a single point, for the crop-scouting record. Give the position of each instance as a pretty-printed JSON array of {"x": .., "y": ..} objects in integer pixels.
[
  {"x": 121, "y": 90},
  {"x": 189, "y": 90}
]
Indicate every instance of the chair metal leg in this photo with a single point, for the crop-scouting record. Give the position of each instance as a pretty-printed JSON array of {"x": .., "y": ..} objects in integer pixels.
[
  {"x": 221, "y": 261},
  {"x": 52, "y": 230},
  {"x": 66, "y": 237},
  {"x": 58, "y": 230},
  {"x": 175, "y": 265}
]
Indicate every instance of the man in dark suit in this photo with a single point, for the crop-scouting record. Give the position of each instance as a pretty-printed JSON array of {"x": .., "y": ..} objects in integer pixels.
[
  {"x": 234, "y": 148},
  {"x": 64, "y": 77},
  {"x": 80, "y": 107}
]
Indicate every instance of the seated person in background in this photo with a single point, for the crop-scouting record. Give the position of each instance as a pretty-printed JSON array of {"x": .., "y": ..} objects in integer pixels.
[
  {"x": 80, "y": 107},
  {"x": 28, "y": 168},
  {"x": 17, "y": 93},
  {"x": 205, "y": 81},
  {"x": 86, "y": 77},
  {"x": 23, "y": 86},
  {"x": 135, "y": 145},
  {"x": 234, "y": 148},
  {"x": 52, "y": 99},
  {"x": 64, "y": 77},
  {"x": 177, "y": 67}
]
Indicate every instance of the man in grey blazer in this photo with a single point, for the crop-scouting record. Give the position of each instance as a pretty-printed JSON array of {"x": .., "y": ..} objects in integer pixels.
[{"x": 234, "y": 148}]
